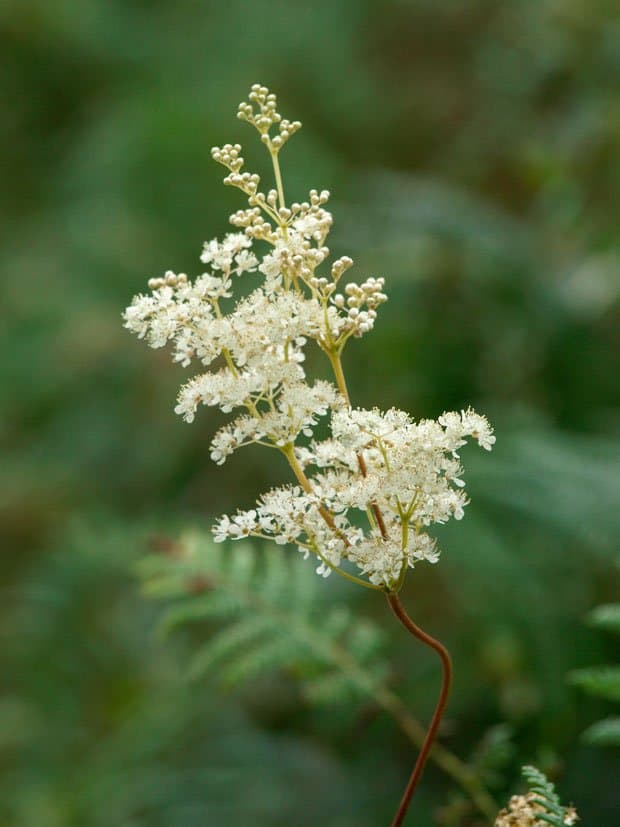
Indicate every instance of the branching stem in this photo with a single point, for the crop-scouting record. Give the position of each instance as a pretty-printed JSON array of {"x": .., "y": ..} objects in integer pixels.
[
  {"x": 302, "y": 479},
  {"x": 336, "y": 364}
]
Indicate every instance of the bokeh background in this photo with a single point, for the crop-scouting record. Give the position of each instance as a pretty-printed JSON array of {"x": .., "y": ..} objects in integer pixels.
[{"x": 473, "y": 152}]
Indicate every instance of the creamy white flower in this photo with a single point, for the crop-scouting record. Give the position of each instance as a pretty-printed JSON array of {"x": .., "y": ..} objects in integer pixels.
[
  {"x": 379, "y": 469},
  {"x": 245, "y": 263},
  {"x": 214, "y": 287},
  {"x": 220, "y": 255},
  {"x": 468, "y": 423},
  {"x": 242, "y": 431},
  {"x": 412, "y": 475},
  {"x": 381, "y": 560}
]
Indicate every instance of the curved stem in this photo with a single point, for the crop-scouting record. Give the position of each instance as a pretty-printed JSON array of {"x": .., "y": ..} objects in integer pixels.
[
  {"x": 453, "y": 766},
  {"x": 397, "y": 607}
]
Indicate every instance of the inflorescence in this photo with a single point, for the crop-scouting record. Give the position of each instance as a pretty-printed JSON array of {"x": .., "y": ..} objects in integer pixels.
[{"x": 401, "y": 476}]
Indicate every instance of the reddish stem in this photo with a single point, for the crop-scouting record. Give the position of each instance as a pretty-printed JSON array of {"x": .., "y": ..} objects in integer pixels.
[{"x": 397, "y": 607}]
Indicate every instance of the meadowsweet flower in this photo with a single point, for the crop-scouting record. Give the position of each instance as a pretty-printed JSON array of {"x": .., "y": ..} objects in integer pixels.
[
  {"x": 398, "y": 475},
  {"x": 233, "y": 249},
  {"x": 365, "y": 498},
  {"x": 413, "y": 476}
]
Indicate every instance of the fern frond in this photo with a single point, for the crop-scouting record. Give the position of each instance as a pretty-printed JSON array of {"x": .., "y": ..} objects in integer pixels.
[
  {"x": 278, "y": 649},
  {"x": 274, "y": 614},
  {"x": 541, "y": 805},
  {"x": 327, "y": 688},
  {"x": 539, "y": 784},
  {"x": 271, "y": 614},
  {"x": 228, "y": 644},
  {"x": 214, "y": 606}
]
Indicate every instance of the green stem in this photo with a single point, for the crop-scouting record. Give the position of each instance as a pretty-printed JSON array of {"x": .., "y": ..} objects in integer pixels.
[
  {"x": 341, "y": 382},
  {"x": 278, "y": 177}
]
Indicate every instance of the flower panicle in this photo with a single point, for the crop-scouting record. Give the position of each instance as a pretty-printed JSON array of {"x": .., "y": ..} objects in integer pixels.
[{"x": 250, "y": 355}]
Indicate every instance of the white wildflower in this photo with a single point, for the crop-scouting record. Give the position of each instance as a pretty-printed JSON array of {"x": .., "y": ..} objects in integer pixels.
[
  {"x": 242, "y": 431},
  {"x": 380, "y": 469},
  {"x": 245, "y": 263},
  {"x": 220, "y": 255}
]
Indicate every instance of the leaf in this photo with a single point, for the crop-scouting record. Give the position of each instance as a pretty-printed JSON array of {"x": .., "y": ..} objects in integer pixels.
[
  {"x": 606, "y": 617},
  {"x": 545, "y": 796},
  {"x": 495, "y": 750},
  {"x": 332, "y": 687},
  {"x": 605, "y": 733},
  {"x": 598, "y": 680},
  {"x": 227, "y": 643},
  {"x": 214, "y": 605},
  {"x": 540, "y": 784},
  {"x": 265, "y": 656},
  {"x": 274, "y": 616}
]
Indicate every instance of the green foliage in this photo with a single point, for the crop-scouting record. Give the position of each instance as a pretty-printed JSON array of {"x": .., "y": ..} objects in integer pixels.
[
  {"x": 606, "y": 617},
  {"x": 603, "y": 681},
  {"x": 272, "y": 614},
  {"x": 605, "y": 733},
  {"x": 546, "y": 796},
  {"x": 98, "y": 728},
  {"x": 599, "y": 680},
  {"x": 494, "y": 752},
  {"x": 472, "y": 152}
]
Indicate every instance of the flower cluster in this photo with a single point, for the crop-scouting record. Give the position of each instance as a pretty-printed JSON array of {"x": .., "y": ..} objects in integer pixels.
[
  {"x": 258, "y": 344},
  {"x": 412, "y": 477},
  {"x": 400, "y": 476}
]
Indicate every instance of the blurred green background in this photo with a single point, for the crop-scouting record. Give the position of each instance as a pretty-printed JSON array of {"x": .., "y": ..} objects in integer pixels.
[{"x": 472, "y": 148}]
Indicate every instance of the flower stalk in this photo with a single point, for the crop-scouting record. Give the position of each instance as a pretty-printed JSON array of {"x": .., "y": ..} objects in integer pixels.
[{"x": 446, "y": 662}]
